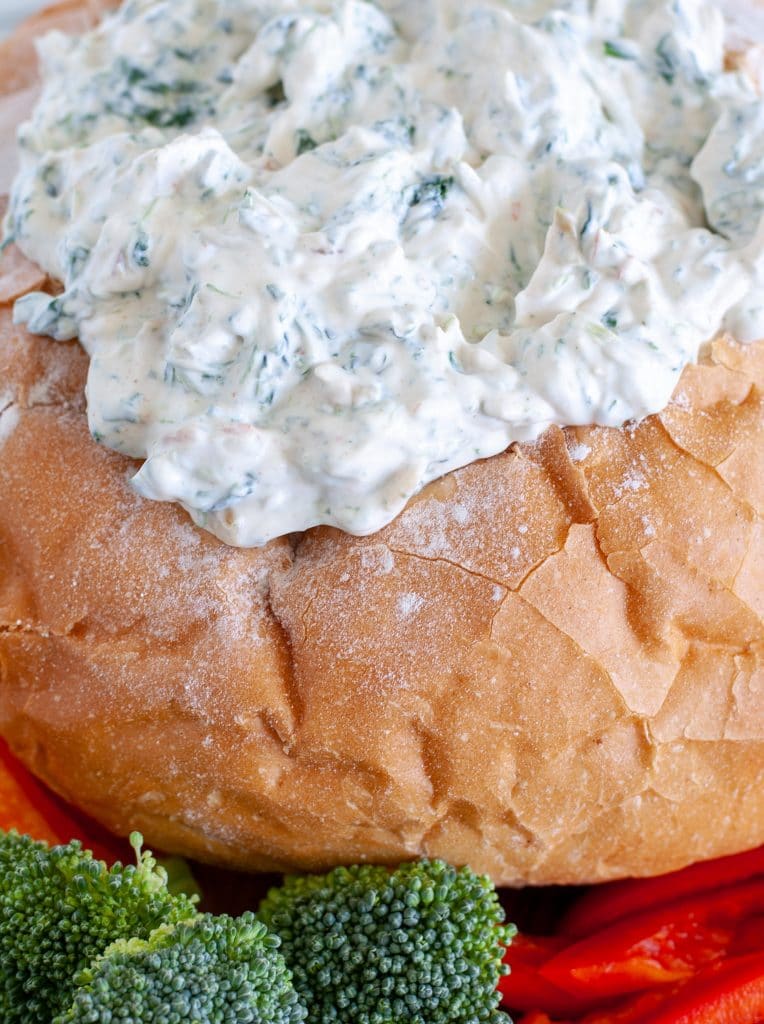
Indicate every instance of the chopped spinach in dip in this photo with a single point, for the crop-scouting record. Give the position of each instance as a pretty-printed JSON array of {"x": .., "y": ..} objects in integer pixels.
[{"x": 321, "y": 253}]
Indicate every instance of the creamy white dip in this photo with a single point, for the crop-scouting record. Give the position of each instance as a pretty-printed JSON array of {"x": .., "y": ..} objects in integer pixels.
[{"x": 322, "y": 253}]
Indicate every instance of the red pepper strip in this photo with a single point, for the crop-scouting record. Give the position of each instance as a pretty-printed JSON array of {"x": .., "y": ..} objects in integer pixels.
[
  {"x": 525, "y": 989},
  {"x": 631, "y": 1012},
  {"x": 17, "y": 812},
  {"x": 30, "y": 807},
  {"x": 532, "y": 949},
  {"x": 730, "y": 993},
  {"x": 662, "y": 945},
  {"x": 749, "y": 937},
  {"x": 603, "y": 904},
  {"x": 637, "y": 1010}
]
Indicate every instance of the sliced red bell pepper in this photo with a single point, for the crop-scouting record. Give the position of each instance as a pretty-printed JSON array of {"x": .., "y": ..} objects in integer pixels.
[
  {"x": 631, "y": 1012},
  {"x": 657, "y": 947},
  {"x": 529, "y": 990},
  {"x": 525, "y": 989},
  {"x": 532, "y": 950},
  {"x": 749, "y": 937},
  {"x": 603, "y": 904},
  {"x": 29, "y": 807},
  {"x": 16, "y": 811},
  {"x": 729, "y": 993}
]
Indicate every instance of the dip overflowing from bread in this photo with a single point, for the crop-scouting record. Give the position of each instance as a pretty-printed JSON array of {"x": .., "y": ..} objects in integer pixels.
[
  {"x": 321, "y": 254},
  {"x": 548, "y": 666}
]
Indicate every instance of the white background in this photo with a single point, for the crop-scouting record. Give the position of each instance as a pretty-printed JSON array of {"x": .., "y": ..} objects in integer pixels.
[{"x": 12, "y": 11}]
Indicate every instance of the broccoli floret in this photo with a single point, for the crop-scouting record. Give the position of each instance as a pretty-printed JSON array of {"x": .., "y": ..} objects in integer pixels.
[
  {"x": 213, "y": 969},
  {"x": 60, "y": 909},
  {"x": 422, "y": 944}
]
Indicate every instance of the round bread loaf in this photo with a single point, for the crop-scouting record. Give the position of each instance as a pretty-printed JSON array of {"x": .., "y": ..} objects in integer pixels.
[{"x": 550, "y": 666}]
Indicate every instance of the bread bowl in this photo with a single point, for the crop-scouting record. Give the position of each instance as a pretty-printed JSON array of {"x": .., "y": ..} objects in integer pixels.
[{"x": 548, "y": 666}]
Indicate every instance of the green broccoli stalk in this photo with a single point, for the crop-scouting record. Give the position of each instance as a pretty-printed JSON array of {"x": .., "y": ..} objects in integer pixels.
[
  {"x": 60, "y": 909},
  {"x": 419, "y": 945},
  {"x": 212, "y": 969}
]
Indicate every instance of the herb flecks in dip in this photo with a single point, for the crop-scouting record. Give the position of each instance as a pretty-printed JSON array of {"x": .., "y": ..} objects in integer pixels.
[{"x": 321, "y": 254}]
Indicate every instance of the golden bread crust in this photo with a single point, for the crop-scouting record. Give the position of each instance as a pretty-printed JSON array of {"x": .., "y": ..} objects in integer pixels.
[{"x": 550, "y": 666}]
